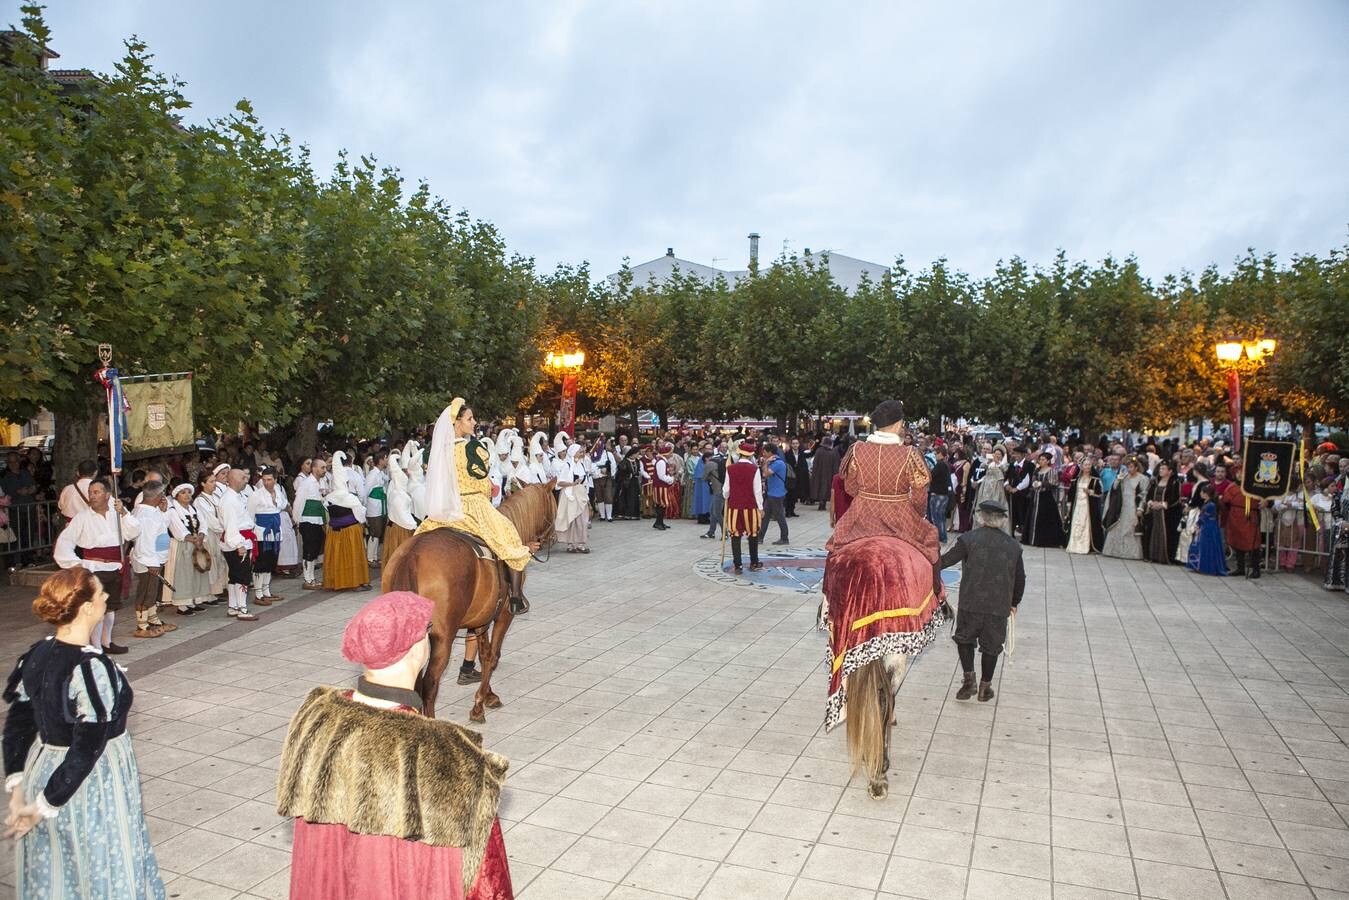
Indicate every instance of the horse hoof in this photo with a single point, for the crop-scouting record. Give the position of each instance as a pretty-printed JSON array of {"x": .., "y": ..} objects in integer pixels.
[
  {"x": 492, "y": 702},
  {"x": 477, "y": 717},
  {"x": 879, "y": 790}
]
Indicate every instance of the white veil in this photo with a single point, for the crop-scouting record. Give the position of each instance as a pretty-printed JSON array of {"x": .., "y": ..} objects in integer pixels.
[{"x": 442, "y": 481}]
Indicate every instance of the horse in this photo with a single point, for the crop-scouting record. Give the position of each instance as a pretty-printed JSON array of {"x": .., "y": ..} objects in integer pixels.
[
  {"x": 468, "y": 592},
  {"x": 882, "y": 606}
]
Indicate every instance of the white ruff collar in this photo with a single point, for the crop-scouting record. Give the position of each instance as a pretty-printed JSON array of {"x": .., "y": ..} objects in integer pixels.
[{"x": 883, "y": 437}]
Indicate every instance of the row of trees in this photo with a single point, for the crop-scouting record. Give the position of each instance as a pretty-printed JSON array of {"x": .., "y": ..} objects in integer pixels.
[{"x": 298, "y": 298}]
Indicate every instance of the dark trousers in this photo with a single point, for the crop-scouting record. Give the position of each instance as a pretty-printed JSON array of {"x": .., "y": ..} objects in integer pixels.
[
  {"x": 241, "y": 567},
  {"x": 660, "y": 516},
  {"x": 789, "y": 502},
  {"x": 311, "y": 541},
  {"x": 265, "y": 564},
  {"x": 753, "y": 551},
  {"x": 774, "y": 510}
]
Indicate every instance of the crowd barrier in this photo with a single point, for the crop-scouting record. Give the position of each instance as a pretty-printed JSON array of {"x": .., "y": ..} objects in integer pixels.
[{"x": 33, "y": 527}]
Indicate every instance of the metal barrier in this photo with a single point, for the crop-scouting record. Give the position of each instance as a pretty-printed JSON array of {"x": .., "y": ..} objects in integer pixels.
[
  {"x": 33, "y": 528},
  {"x": 1292, "y": 543}
]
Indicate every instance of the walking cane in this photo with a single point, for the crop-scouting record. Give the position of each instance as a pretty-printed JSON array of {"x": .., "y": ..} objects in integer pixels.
[{"x": 725, "y": 517}]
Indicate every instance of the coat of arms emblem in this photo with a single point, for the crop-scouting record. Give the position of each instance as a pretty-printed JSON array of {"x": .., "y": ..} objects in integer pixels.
[
  {"x": 156, "y": 416},
  {"x": 1267, "y": 471}
]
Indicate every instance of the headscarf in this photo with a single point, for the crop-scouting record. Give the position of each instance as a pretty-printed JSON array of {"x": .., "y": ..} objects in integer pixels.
[{"x": 442, "y": 480}]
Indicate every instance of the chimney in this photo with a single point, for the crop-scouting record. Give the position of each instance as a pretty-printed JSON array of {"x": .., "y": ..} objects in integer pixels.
[
  {"x": 754, "y": 249},
  {"x": 669, "y": 251}
]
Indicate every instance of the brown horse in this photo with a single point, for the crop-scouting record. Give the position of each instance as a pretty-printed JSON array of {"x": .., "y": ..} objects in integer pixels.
[{"x": 469, "y": 593}]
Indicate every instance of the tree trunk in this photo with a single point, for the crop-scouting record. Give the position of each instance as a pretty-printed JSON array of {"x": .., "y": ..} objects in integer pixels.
[
  {"x": 76, "y": 439},
  {"x": 664, "y": 417},
  {"x": 305, "y": 441},
  {"x": 1259, "y": 417}
]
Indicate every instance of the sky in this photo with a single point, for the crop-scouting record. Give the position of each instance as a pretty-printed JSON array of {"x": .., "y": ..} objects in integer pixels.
[{"x": 1181, "y": 133}]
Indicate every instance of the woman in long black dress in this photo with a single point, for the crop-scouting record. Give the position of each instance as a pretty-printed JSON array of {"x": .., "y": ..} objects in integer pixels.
[
  {"x": 1044, "y": 525},
  {"x": 628, "y": 497},
  {"x": 1162, "y": 516}
]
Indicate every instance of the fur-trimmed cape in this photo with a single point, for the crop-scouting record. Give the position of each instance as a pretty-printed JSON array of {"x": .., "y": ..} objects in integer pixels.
[{"x": 380, "y": 771}]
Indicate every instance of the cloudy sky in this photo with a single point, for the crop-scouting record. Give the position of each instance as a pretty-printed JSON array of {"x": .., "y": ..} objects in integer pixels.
[{"x": 1179, "y": 132}]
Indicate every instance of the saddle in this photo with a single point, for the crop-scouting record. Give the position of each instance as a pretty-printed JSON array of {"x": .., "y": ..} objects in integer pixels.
[{"x": 485, "y": 555}]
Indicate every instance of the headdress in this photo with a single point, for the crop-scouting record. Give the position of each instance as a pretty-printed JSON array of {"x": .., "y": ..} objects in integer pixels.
[
  {"x": 442, "y": 480},
  {"x": 386, "y": 628}
]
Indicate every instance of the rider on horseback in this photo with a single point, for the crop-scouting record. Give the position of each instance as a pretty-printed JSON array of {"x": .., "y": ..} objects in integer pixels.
[{"x": 459, "y": 496}]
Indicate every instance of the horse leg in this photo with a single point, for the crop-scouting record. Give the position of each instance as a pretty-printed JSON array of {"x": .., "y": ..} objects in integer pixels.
[
  {"x": 499, "y": 629},
  {"x": 442, "y": 642}
]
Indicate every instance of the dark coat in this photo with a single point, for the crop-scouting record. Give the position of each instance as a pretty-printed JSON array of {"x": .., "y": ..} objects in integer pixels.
[
  {"x": 994, "y": 576},
  {"x": 823, "y": 471}
]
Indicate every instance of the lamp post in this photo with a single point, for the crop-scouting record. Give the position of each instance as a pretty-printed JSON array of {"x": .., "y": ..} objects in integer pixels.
[
  {"x": 567, "y": 365},
  {"x": 1234, "y": 355}
]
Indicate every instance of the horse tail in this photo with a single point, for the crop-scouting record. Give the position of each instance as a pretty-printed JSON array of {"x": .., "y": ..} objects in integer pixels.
[
  {"x": 866, "y": 720},
  {"x": 400, "y": 572}
]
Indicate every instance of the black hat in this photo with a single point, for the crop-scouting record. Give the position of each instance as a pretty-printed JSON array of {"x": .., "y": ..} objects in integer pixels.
[{"x": 993, "y": 506}]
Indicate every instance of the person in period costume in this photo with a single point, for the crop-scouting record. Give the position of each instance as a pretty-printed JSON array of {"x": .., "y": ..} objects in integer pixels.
[
  {"x": 743, "y": 495},
  {"x": 401, "y": 525},
  {"x": 1195, "y": 479},
  {"x": 962, "y": 470},
  {"x": 714, "y": 477},
  {"x": 188, "y": 572},
  {"x": 366, "y": 824},
  {"x": 662, "y": 484},
  {"x": 269, "y": 506},
  {"x": 416, "y": 469},
  {"x": 207, "y": 505},
  {"x": 1021, "y": 480},
  {"x": 93, "y": 541},
  {"x": 628, "y": 493},
  {"x": 537, "y": 470},
  {"x": 1044, "y": 525},
  {"x": 376, "y": 507},
  {"x": 992, "y": 582},
  {"x": 311, "y": 515},
  {"x": 823, "y": 468},
  {"x": 702, "y": 500},
  {"x": 688, "y": 470},
  {"x": 992, "y": 482},
  {"x": 75, "y": 804},
  {"x": 673, "y": 465},
  {"x": 1207, "y": 554},
  {"x": 458, "y": 496},
  {"x": 1240, "y": 514},
  {"x": 604, "y": 466},
  {"x": 1124, "y": 511},
  {"x": 572, "y": 522},
  {"x": 74, "y": 497},
  {"x": 239, "y": 544},
  {"x": 345, "y": 566},
  {"x": 149, "y": 556},
  {"x": 1085, "y": 531},
  {"x": 1162, "y": 516}
]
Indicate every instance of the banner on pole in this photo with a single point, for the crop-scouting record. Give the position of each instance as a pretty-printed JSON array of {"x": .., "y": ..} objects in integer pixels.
[
  {"x": 566, "y": 418},
  {"x": 160, "y": 416},
  {"x": 1267, "y": 468},
  {"x": 1234, "y": 407}
]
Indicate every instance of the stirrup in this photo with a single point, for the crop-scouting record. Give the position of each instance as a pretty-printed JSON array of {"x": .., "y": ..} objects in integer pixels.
[{"x": 519, "y": 606}]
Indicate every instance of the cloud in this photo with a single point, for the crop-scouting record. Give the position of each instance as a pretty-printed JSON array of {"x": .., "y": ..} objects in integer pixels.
[{"x": 975, "y": 131}]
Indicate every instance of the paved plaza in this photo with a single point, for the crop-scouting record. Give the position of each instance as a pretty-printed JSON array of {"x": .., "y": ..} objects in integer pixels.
[{"x": 1156, "y": 734}]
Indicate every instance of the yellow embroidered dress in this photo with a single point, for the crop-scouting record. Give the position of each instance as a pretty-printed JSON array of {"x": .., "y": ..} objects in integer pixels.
[{"x": 471, "y": 459}]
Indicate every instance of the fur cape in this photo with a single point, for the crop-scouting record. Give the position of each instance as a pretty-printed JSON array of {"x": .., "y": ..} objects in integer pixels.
[{"x": 382, "y": 771}]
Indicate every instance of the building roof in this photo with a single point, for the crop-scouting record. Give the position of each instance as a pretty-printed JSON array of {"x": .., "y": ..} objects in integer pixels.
[
  {"x": 662, "y": 267},
  {"x": 847, "y": 271}
]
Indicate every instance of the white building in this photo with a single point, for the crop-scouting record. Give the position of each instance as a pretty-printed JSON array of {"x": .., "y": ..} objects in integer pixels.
[{"x": 847, "y": 271}]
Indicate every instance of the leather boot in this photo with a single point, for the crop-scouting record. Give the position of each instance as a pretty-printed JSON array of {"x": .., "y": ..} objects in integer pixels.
[
  {"x": 966, "y": 687},
  {"x": 519, "y": 605},
  {"x": 985, "y": 691}
]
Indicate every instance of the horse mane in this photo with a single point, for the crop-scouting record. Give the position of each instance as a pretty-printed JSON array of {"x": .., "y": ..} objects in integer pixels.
[{"x": 531, "y": 510}]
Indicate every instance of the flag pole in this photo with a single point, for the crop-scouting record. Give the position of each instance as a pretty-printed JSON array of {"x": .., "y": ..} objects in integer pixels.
[{"x": 105, "y": 356}]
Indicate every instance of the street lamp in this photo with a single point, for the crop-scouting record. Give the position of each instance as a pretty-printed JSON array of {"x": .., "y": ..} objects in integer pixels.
[
  {"x": 1234, "y": 355},
  {"x": 566, "y": 364}
]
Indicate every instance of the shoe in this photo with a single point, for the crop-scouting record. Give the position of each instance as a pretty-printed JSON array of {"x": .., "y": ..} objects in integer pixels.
[
  {"x": 274, "y": 598},
  {"x": 313, "y": 586},
  {"x": 966, "y": 687},
  {"x": 470, "y": 677},
  {"x": 146, "y": 633},
  {"x": 262, "y": 601},
  {"x": 781, "y": 543},
  {"x": 740, "y": 570},
  {"x": 115, "y": 649},
  {"x": 231, "y": 612},
  {"x": 985, "y": 691},
  {"x": 756, "y": 567},
  {"x": 245, "y": 617},
  {"x": 184, "y": 611},
  {"x": 704, "y": 536},
  {"x": 164, "y": 627}
]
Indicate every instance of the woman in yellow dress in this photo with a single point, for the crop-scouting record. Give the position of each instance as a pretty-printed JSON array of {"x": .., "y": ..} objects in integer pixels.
[{"x": 459, "y": 494}]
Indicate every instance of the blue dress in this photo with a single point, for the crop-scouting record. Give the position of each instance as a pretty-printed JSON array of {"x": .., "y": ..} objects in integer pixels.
[
  {"x": 1207, "y": 556},
  {"x": 702, "y": 497}
]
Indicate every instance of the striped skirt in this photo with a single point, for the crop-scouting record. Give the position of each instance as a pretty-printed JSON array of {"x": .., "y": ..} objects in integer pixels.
[
  {"x": 344, "y": 563},
  {"x": 98, "y": 846}
]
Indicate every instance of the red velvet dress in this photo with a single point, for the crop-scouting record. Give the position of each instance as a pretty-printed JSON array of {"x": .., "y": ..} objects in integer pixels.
[
  {"x": 1241, "y": 528},
  {"x": 329, "y": 862}
]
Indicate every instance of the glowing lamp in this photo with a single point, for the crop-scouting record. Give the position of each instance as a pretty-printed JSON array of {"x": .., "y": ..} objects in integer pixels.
[{"x": 1229, "y": 351}]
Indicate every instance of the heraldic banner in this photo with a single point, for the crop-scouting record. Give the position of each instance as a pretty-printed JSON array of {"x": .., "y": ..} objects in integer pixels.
[
  {"x": 1267, "y": 468},
  {"x": 160, "y": 416}
]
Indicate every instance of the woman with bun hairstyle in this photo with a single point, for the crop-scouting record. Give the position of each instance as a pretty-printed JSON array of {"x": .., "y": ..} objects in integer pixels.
[{"x": 74, "y": 787}]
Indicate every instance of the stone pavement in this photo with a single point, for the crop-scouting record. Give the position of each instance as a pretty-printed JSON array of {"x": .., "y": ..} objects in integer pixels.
[{"x": 1156, "y": 734}]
